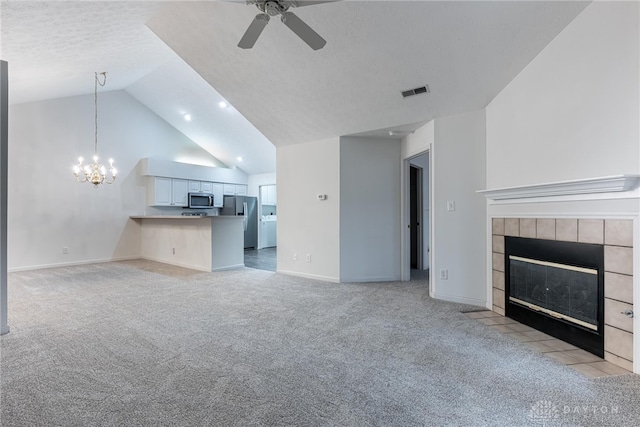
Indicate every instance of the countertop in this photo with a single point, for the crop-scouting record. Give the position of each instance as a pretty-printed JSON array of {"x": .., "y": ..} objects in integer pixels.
[{"x": 183, "y": 217}]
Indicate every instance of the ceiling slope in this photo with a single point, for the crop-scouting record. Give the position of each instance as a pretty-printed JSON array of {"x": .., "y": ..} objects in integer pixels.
[{"x": 465, "y": 51}]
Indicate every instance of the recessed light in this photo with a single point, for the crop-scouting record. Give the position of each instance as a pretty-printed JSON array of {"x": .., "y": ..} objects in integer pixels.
[
  {"x": 187, "y": 117},
  {"x": 239, "y": 158},
  {"x": 223, "y": 104}
]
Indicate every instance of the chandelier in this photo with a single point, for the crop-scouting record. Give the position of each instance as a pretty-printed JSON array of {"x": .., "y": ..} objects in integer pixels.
[{"x": 95, "y": 173}]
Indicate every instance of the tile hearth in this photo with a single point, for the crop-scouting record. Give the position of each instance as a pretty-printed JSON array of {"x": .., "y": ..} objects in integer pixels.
[{"x": 582, "y": 361}]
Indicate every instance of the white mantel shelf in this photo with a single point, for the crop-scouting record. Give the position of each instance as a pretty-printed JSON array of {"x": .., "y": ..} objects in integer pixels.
[{"x": 607, "y": 184}]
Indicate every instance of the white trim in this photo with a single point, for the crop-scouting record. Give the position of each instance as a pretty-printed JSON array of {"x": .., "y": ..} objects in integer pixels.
[
  {"x": 461, "y": 300},
  {"x": 590, "y": 186},
  {"x": 228, "y": 267},
  {"x": 566, "y": 215},
  {"x": 310, "y": 276},
  {"x": 72, "y": 264},
  {"x": 370, "y": 279}
]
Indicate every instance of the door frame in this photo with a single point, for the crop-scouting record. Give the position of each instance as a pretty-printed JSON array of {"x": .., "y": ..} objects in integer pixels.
[{"x": 405, "y": 238}]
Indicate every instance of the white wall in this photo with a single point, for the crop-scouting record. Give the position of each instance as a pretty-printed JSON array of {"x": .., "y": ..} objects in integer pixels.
[
  {"x": 258, "y": 180},
  {"x": 418, "y": 141},
  {"x": 459, "y": 237},
  {"x": 573, "y": 111},
  {"x": 369, "y": 209},
  {"x": 305, "y": 224},
  {"x": 49, "y": 210}
]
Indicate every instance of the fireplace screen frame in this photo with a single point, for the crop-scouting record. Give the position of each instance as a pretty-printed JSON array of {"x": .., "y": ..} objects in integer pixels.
[{"x": 581, "y": 255}]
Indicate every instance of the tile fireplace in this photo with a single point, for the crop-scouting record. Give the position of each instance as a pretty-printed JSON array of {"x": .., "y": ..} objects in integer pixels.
[{"x": 574, "y": 275}]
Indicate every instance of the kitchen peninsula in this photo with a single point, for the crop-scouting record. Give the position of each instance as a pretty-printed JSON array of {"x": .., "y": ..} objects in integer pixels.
[{"x": 207, "y": 243}]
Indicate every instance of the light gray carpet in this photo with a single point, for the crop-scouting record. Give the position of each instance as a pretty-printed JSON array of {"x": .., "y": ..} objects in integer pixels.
[{"x": 138, "y": 344}]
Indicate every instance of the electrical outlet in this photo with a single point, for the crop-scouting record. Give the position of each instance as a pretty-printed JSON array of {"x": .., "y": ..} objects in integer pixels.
[
  {"x": 444, "y": 274},
  {"x": 295, "y": 257},
  {"x": 308, "y": 257},
  {"x": 451, "y": 206},
  {"x": 65, "y": 251},
  {"x": 173, "y": 251}
]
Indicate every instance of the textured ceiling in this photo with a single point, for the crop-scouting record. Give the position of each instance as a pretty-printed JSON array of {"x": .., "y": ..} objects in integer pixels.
[
  {"x": 465, "y": 51},
  {"x": 53, "y": 49}
]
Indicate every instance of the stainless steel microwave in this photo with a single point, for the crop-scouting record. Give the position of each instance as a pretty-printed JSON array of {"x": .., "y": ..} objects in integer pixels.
[{"x": 200, "y": 200}]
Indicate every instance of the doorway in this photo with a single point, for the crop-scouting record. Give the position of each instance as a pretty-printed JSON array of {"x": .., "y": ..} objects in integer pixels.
[
  {"x": 418, "y": 217},
  {"x": 415, "y": 208}
]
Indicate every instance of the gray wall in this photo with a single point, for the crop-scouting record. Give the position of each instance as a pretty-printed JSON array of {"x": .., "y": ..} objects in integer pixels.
[{"x": 369, "y": 209}]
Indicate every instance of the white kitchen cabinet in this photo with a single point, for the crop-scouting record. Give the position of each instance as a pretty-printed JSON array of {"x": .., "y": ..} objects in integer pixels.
[
  {"x": 206, "y": 187},
  {"x": 179, "y": 190},
  {"x": 217, "y": 189},
  {"x": 235, "y": 190},
  {"x": 159, "y": 191},
  {"x": 268, "y": 194},
  {"x": 194, "y": 186},
  {"x": 167, "y": 191}
]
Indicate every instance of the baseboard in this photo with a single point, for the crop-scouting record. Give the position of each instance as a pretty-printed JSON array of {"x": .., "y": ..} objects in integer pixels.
[
  {"x": 4, "y": 330},
  {"x": 370, "y": 279},
  {"x": 177, "y": 264},
  {"x": 70, "y": 264},
  {"x": 229, "y": 267},
  {"x": 310, "y": 276},
  {"x": 461, "y": 300}
]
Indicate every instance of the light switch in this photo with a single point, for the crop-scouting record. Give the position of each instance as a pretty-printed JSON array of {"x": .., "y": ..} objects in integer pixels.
[{"x": 451, "y": 205}]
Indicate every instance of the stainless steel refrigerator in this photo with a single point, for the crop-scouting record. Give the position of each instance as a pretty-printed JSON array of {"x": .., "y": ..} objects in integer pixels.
[{"x": 248, "y": 208}]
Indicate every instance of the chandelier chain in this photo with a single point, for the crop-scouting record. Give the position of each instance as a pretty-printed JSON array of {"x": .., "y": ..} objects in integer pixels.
[{"x": 95, "y": 104}]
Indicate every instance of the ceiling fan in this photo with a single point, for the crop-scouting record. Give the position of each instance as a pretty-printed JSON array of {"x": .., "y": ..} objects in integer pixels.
[{"x": 281, "y": 7}]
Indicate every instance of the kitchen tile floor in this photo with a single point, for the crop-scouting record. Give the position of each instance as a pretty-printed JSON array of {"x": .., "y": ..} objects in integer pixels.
[
  {"x": 582, "y": 361},
  {"x": 261, "y": 259}
]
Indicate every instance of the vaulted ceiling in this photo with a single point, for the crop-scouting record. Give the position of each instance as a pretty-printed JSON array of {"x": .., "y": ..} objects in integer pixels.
[{"x": 182, "y": 57}]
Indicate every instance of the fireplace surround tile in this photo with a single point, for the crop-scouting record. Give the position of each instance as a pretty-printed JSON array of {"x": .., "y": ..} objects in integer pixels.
[
  {"x": 498, "y": 297},
  {"x": 617, "y": 237},
  {"x": 498, "y": 280},
  {"x": 618, "y": 259},
  {"x": 618, "y": 342},
  {"x": 618, "y": 232},
  {"x": 613, "y": 315},
  {"x": 546, "y": 228},
  {"x": 512, "y": 227},
  {"x": 498, "y": 244},
  {"x": 497, "y": 226},
  {"x": 617, "y": 360},
  {"x": 528, "y": 227},
  {"x": 567, "y": 229},
  {"x": 618, "y": 287},
  {"x": 591, "y": 231},
  {"x": 498, "y": 261}
]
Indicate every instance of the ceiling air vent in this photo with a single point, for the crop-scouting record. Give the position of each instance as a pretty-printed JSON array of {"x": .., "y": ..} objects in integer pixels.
[{"x": 416, "y": 91}]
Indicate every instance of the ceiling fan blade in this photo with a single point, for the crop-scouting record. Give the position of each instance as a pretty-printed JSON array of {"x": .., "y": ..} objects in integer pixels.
[
  {"x": 303, "y": 31},
  {"x": 300, "y": 3},
  {"x": 253, "y": 32}
]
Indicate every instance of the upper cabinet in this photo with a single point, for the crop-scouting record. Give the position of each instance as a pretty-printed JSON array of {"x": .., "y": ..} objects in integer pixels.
[
  {"x": 235, "y": 190},
  {"x": 163, "y": 191},
  {"x": 200, "y": 186},
  {"x": 268, "y": 195},
  {"x": 217, "y": 189}
]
